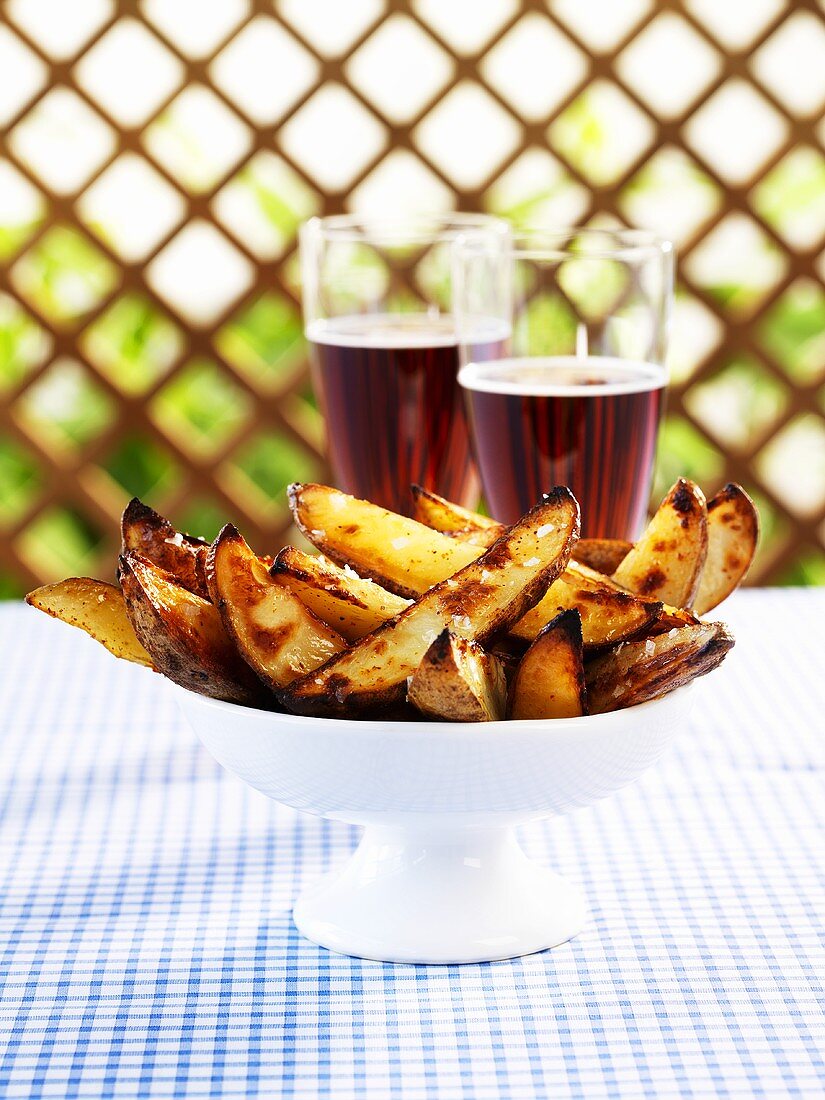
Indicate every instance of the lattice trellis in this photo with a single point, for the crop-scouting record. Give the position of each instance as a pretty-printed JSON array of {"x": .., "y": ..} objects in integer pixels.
[{"x": 148, "y": 295}]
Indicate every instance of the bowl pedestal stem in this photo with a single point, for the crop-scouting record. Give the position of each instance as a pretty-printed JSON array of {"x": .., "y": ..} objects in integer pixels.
[{"x": 439, "y": 894}]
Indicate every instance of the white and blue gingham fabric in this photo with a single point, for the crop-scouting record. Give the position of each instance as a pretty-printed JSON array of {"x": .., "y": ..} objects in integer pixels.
[{"x": 147, "y": 950}]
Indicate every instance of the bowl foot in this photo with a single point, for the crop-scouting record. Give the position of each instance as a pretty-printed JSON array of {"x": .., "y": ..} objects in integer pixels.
[{"x": 466, "y": 895}]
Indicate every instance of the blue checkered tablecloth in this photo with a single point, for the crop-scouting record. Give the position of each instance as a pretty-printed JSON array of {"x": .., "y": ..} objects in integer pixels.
[{"x": 146, "y": 945}]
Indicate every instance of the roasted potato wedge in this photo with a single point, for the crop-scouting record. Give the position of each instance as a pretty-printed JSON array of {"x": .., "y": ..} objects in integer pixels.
[
  {"x": 636, "y": 672},
  {"x": 97, "y": 608},
  {"x": 349, "y": 604},
  {"x": 400, "y": 554},
  {"x": 458, "y": 681},
  {"x": 667, "y": 561},
  {"x": 153, "y": 536},
  {"x": 484, "y": 598},
  {"x": 406, "y": 556},
  {"x": 603, "y": 555},
  {"x": 733, "y": 535},
  {"x": 550, "y": 679},
  {"x": 277, "y": 636},
  {"x": 184, "y": 635},
  {"x": 451, "y": 519}
]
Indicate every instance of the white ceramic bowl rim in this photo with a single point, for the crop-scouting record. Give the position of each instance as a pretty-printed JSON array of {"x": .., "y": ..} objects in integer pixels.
[{"x": 537, "y": 726}]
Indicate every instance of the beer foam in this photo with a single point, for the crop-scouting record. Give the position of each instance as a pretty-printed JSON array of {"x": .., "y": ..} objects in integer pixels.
[
  {"x": 562, "y": 376},
  {"x": 399, "y": 330}
]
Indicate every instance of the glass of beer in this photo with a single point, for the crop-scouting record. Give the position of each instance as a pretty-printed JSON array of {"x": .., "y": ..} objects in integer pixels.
[
  {"x": 379, "y": 320},
  {"x": 575, "y": 392}
]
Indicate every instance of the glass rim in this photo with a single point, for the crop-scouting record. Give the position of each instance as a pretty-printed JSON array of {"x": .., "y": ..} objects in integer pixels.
[
  {"x": 449, "y": 225},
  {"x": 624, "y": 243}
]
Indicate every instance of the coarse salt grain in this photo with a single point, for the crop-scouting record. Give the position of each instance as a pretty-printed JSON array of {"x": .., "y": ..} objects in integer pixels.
[
  {"x": 650, "y": 647},
  {"x": 545, "y": 529},
  {"x": 532, "y": 561},
  {"x": 399, "y": 544}
]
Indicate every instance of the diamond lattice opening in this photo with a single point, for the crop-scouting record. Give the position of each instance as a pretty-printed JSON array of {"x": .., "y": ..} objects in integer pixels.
[
  {"x": 24, "y": 209},
  {"x": 131, "y": 207},
  {"x": 467, "y": 135},
  {"x": 201, "y": 409},
  {"x": 330, "y": 26},
  {"x": 261, "y": 470},
  {"x": 63, "y": 141},
  {"x": 671, "y": 195},
  {"x": 129, "y": 72},
  {"x": 333, "y": 137},
  {"x": 60, "y": 29},
  {"x": 199, "y": 273},
  {"x": 465, "y": 24},
  {"x": 20, "y": 480},
  {"x": 683, "y": 451},
  {"x": 793, "y": 331},
  {"x": 668, "y": 65},
  {"x": 140, "y": 467},
  {"x": 602, "y": 133},
  {"x": 24, "y": 345},
  {"x": 264, "y": 205},
  {"x": 24, "y": 74},
  {"x": 695, "y": 332},
  {"x": 736, "y": 131},
  {"x": 792, "y": 465},
  {"x": 195, "y": 28},
  {"x": 64, "y": 409},
  {"x": 534, "y": 66},
  {"x": 400, "y": 185},
  {"x": 265, "y": 344},
  {"x": 791, "y": 64},
  {"x": 63, "y": 276},
  {"x": 60, "y": 542},
  {"x": 737, "y": 264},
  {"x": 536, "y": 189},
  {"x": 791, "y": 198},
  {"x": 197, "y": 139},
  {"x": 244, "y": 70},
  {"x": 601, "y": 24},
  {"x": 132, "y": 344},
  {"x": 738, "y": 404},
  {"x": 399, "y": 69}
]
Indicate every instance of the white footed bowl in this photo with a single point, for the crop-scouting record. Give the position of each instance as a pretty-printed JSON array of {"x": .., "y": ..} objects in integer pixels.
[{"x": 438, "y": 876}]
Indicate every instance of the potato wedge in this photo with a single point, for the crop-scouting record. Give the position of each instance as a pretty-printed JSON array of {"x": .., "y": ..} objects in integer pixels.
[
  {"x": 485, "y": 597},
  {"x": 152, "y": 535},
  {"x": 451, "y": 519},
  {"x": 550, "y": 679},
  {"x": 184, "y": 635},
  {"x": 608, "y": 615},
  {"x": 400, "y": 554},
  {"x": 667, "y": 561},
  {"x": 733, "y": 535},
  {"x": 639, "y": 671},
  {"x": 405, "y": 556},
  {"x": 277, "y": 636},
  {"x": 96, "y": 607},
  {"x": 458, "y": 681},
  {"x": 352, "y": 606},
  {"x": 603, "y": 555}
]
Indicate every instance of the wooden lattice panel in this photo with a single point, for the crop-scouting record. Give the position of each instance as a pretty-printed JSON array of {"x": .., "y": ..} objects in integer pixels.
[{"x": 160, "y": 155}]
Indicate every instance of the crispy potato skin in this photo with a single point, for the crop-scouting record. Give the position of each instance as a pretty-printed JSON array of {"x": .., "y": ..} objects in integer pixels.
[
  {"x": 352, "y": 606},
  {"x": 278, "y": 637},
  {"x": 458, "y": 681},
  {"x": 153, "y": 536},
  {"x": 667, "y": 561},
  {"x": 733, "y": 536},
  {"x": 184, "y": 635},
  {"x": 549, "y": 682},
  {"x": 482, "y": 599},
  {"x": 636, "y": 672},
  {"x": 603, "y": 555},
  {"x": 96, "y": 607}
]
